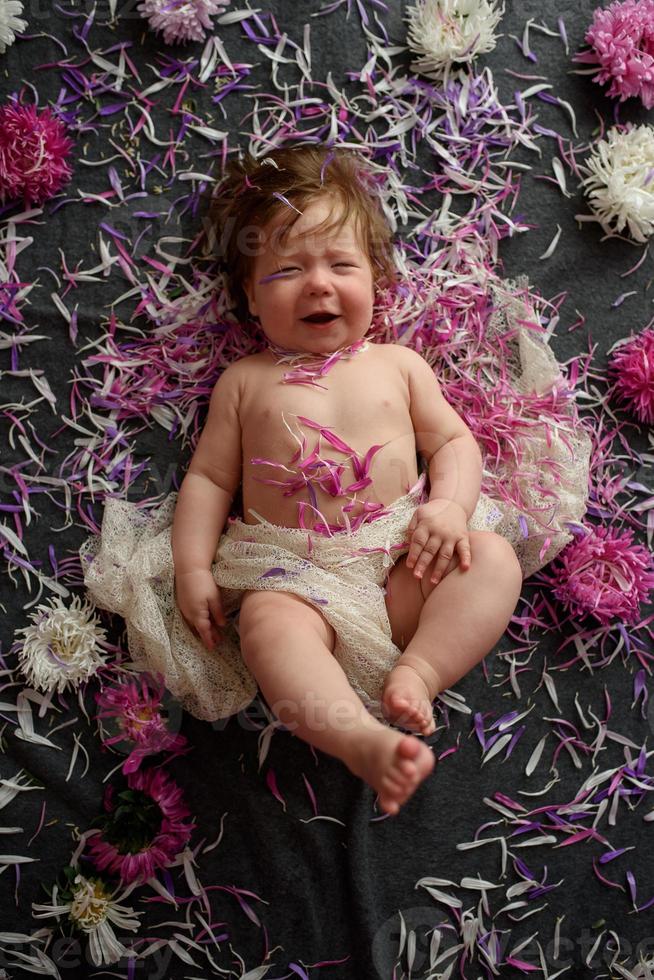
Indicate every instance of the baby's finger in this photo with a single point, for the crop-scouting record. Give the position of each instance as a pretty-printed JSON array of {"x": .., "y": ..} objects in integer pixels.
[
  {"x": 194, "y": 630},
  {"x": 415, "y": 547},
  {"x": 464, "y": 552},
  {"x": 203, "y": 628},
  {"x": 216, "y": 611},
  {"x": 426, "y": 556},
  {"x": 442, "y": 561},
  {"x": 209, "y": 637}
]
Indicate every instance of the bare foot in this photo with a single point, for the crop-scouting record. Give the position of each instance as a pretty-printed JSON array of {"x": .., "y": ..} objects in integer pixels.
[
  {"x": 406, "y": 700},
  {"x": 393, "y": 764}
]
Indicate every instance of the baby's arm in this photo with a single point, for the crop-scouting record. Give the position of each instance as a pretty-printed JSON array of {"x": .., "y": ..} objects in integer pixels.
[
  {"x": 442, "y": 438},
  {"x": 438, "y": 528},
  {"x": 203, "y": 505}
]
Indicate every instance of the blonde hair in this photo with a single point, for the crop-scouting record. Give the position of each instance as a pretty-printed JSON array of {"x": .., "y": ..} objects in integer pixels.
[{"x": 255, "y": 191}]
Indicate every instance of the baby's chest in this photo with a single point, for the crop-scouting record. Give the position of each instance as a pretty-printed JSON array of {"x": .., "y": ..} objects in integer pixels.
[{"x": 286, "y": 422}]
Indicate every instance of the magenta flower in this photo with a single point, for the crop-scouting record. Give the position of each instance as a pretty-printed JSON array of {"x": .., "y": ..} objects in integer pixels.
[
  {"x": 181, "y": 20},
  {"x": 144, "y": 828},
  {"x": 631, "y": 368},
  {"x": 136, "y": 710},
  {"x": 604, "y": 575},
  {"x": 34, "y": 152},
  {"x": 622, "y": 46}
]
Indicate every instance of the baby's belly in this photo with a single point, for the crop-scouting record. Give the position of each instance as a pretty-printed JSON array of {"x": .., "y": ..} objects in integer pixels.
[{"x": 312, "y": 503}]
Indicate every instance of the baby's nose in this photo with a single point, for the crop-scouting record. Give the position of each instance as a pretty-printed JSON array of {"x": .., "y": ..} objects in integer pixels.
[{"x": 318, "y": 281}]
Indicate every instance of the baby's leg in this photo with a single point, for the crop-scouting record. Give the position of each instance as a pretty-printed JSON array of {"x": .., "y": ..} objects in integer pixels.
[
  {"x": 288, "y": 646},
  {"x": 447, "y": 628}
]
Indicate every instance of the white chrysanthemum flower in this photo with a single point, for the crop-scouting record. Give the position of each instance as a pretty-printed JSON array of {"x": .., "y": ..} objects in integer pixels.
[
  {"x": 619, "y": 182},
  {"x": 443, "y": 31},
  {"x": 181, "y": 20},
  {"x": 11, "y": 23},
  {"x": 93, "y": 909},
  {"x": 60, "y": 649}
]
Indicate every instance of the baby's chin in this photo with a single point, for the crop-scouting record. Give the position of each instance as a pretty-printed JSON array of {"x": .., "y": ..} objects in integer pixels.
[{"x": 317, "y": 341}]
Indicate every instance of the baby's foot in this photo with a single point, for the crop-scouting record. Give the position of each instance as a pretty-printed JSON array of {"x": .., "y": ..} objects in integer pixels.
[
  {"x": 406, "y": 700},
  {"x": 393, "y": 764}
]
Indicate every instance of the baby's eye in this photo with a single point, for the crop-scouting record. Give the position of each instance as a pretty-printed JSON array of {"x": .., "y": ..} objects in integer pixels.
[
  {"x": 346, "y": 265},
  {"x": 290, "y": 268}
]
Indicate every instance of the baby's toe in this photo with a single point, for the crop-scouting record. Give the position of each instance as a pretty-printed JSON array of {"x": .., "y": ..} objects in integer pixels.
[
  {"x": 408, "y": 768},
  {"x": 421, "y": 755},
  {"x": 391, "y": 786},
  {"x": 408, "y": 747},
  {"x": 397, "y": 703}
]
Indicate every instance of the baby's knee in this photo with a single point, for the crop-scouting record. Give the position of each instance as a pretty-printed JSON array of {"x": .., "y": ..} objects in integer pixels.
[
  {"x": 268, "y": 618},
  {"x": 498, "y": 556},
  {"x": 259, "y": 616}
]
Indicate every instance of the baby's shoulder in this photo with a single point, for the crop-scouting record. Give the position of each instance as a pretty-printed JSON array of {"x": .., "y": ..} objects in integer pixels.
[
  {"x": 235, "y": 380},
  {"x": 401, "y": 357},
  {"x": 246, "y": 367},
  {"x": 249, "y": 360},
  {"x": 398, "y": 351}
]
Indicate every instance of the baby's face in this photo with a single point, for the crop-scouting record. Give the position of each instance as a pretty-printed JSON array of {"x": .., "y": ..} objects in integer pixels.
[{"x": 313, "y": 291}]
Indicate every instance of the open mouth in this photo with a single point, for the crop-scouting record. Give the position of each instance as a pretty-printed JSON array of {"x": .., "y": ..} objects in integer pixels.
[{"x": 320, "y": 318}]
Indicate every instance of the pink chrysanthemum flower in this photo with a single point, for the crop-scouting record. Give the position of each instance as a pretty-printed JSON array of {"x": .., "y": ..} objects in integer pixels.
[
  {"x": 622, "y": 45},
  {"x": 143, "y": 830},
  {"x": 604, "y": 575},
  {"x": 34, "y": 152},
  {"x": 181, "y": 20},
  {"x": 137, "y": 713},
  {"x": 631, "y": 367}
]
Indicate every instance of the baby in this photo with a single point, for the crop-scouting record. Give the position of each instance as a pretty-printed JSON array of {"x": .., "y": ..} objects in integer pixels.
[{"x": 306, "y": 243}]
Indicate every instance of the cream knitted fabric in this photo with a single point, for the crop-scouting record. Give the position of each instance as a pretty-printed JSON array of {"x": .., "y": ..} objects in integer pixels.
[{"x": 128, "y": 569}]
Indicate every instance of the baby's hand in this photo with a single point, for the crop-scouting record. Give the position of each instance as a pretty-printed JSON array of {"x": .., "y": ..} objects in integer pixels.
[
  {"x": 198, "y": 598},
  {"x": 438, "y": 529}
]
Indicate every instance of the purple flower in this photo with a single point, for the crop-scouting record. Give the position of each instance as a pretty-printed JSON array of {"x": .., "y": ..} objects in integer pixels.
[
  {"x": 622, "y": 42},
  {"x": 34, "y": 151},
  {"x": 181, "y": 20},
  {"x": 137, "y": 711},
  {"x": 144, "y": 829},
  {"x": 632, "y": 370},
  {"x": 604, "y": 575}
]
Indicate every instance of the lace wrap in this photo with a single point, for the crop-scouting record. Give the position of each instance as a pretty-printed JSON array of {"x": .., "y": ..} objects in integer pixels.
[
  {"x": 542, "y": 484},
  {"x": 129, "y": 570}
]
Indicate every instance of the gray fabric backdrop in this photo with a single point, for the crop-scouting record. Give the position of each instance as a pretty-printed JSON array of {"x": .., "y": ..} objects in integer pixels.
[{"x": 334, "y": 889}]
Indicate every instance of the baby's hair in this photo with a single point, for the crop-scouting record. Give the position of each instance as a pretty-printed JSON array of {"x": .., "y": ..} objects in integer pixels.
[{"x": 256, "y": 190}]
